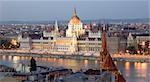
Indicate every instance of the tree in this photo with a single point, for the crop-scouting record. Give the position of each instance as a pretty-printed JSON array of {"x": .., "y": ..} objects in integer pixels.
[
  {"x": 33, "y": 65},
  {"x": 140, "y": 48},
  {"x": 132, "y": 50},
  {"x": 146, "y": 48}
]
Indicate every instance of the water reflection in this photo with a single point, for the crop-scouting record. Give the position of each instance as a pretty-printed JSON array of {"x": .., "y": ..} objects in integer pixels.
[
  {"x": 9, "y": 58},
  {"x": 144, "y": 70},
  {"x": 96, "y": 61},
  {"x": 15, "y": 59},
  {"x": 3, "y": 57},
  {"x": 127, "y": 68},
  {"x": 115, "y": 62},
  {"x": 133, "y": 72},
  {"x": 86, "y": 63}
]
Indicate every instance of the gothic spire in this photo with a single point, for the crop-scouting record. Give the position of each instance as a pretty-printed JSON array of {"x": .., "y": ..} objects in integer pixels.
[
  {"x": 74, "y": 12},
  {"x": 104, "y": 41},
  {"x": 56, "y": 26},
  {"x": 106, "y": 60}
]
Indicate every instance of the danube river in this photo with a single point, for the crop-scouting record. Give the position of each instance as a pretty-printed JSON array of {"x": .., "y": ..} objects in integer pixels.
[{"x": 132, "y": 71}]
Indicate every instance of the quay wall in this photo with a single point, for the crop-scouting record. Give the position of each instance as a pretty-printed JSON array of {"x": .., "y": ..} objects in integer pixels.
[{"x": 116, "y": 57}]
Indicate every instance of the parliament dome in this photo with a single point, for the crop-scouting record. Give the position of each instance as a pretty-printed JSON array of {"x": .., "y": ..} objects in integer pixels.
[{"x": 75, "y": 20}]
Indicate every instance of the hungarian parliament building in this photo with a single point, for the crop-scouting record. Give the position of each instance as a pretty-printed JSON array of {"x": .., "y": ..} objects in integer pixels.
[{"x": 76, "y": 40}]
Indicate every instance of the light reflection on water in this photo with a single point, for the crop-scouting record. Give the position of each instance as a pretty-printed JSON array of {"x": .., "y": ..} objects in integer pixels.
[
  {"x": 133, "y": 72},
  {"x": 9, "y": 58},
  {"x": 140, "y": 69},
  {"x": 127, "y": 69}
]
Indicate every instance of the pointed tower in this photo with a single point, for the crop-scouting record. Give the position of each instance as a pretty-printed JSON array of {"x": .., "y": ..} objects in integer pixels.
[
  {"x": 130, "y": 40},
  {"x": 104, "y": 40},
  {"x": 19, "y": 37},
  {"x": 109, "y": 64},
  {"x": 103, "y": 51},
  {"x": 56, "y": 30},
  {"x": 106, "y": 62},
  {"x": 56, "y": 26},
  {"x": 75, "y": 26},
  {"x": 74, "y": 12}
]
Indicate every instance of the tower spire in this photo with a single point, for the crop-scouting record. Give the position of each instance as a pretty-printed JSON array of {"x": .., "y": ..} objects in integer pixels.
[
  {"x": 56, "y": 25},
  {"x": 104, "y": 51},
  {"x": 104, "y": 41},
  {"x": 74, "y": 12},
  {"x": 106, "y": 61}
]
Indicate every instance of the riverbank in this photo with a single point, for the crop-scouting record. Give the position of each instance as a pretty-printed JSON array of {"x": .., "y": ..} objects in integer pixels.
[
  {"x": 133, "y": 58},
  {"x": 116, "y": 57}
]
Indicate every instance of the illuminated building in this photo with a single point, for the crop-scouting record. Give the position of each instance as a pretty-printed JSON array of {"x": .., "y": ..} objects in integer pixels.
[
  {"x": 113, "y": 44},
  {"x": 75, "y": 26},
  {"x": 66, "y": 44},
  {"x": 36, "y": 44},
  {"x": 143, "y": 43},
  {"x": 54, "y": 33},
  {"x": 24, "y": 43},
  {"x": 142, "y": 40},
  {"x": 130, "y": 40},
  {"x": 96, "y": 34},
  {"x": 42, "y": 44},
  {"x": 89, "y": 45},
  {"x": 73, "y": 43},
  {"x": 13, "y": 42}
]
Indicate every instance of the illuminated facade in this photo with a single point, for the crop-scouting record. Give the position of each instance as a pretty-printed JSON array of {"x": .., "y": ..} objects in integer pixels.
[
  {"x": 54, "y": 33},
  {"x": 142, "y": 40},
  {"x": 71, "y": 44},
  {"x": 53, "y": 42},
  {"x": 66, "y": 44},
  {"x": 42, "y": 44},
  {"x": 94, "y": 34},
  {"x": 75, "y": 26},
  {"x": 130, "y": 40},
  {"x": 143, "y": 43},
  {"x": 36, "y": 44},
  {"x": 25, "y": 43}
]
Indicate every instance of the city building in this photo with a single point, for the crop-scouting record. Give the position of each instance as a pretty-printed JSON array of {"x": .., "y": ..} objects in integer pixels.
[
  {"x": 143, "y": 39},
  {"x": 42, "y": 44},
  {"x": 75, "y": 26},
  {"x": 143, "y": 43},
  {"x": 130, "y": 40},
  {"x": 113, "y": 44},
  {"x": 94, "y": 34},
  {"x": 89, "y": 46},
  {"x": 53, "y": 33},
  {"x": 116, "y": 44},
  {"x": 25, "y": 43},
  {"x": 77, "y": 40},
  {"x": 68, "y": 45}
]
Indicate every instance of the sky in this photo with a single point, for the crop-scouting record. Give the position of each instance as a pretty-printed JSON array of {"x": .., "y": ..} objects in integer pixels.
[{"x": 36, "y": 10}]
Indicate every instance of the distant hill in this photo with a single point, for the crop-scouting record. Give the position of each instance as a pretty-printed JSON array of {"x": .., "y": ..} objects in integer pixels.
[{"x": 84, "y": 21}]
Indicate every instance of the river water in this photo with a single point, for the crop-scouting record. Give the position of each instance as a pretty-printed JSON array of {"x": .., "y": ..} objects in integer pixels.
[{"x": 132, "y": 71}]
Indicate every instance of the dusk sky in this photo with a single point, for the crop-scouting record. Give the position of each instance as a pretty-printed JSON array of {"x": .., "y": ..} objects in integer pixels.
[{"x": 37, "y": 10}]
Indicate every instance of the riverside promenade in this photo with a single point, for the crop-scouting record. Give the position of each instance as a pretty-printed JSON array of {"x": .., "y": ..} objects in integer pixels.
[
  {"x": 116, "y": 57},
  {"x": 131, "y": 58}
]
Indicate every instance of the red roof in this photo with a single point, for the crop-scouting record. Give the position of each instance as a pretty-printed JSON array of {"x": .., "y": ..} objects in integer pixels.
[
  {"x": 109, "y": 64},
  {"x": 119, "y": 78}
]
